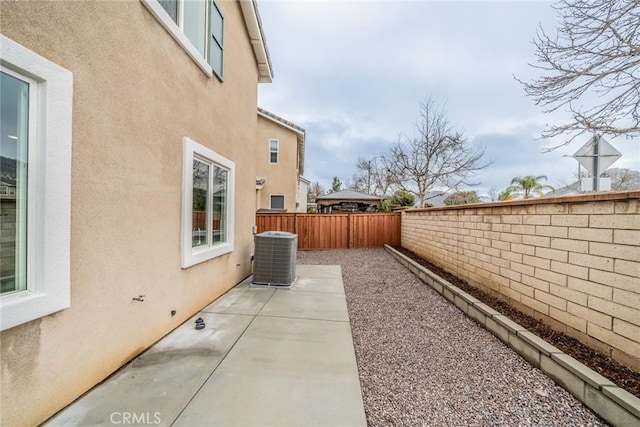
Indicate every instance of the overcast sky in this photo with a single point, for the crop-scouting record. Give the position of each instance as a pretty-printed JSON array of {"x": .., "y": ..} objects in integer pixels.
[{"x": 353, "y": 74}]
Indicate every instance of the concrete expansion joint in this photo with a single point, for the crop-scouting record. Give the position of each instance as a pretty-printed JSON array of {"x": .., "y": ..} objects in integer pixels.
[
  {"x": 319, "y": 319},
  {"x": 610, "y": 402}
]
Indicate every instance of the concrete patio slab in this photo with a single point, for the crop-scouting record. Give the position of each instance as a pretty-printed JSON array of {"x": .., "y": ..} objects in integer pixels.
[
  {"x": 267, "y": 357},
  {"x": 162, "y": 380},
  {"x": 241, "y": 300},
  {"x": 319, "y": 271},
  {"x": 284, "y": 372},
  {"x": 319, "y": 278},
  {"x": 307, "y": 305}
]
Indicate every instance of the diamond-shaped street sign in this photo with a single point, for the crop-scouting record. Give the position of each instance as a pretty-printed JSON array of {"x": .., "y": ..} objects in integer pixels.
[{"x": 597, "y": 155}]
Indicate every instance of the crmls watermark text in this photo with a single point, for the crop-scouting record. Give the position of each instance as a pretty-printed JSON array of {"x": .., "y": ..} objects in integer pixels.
[{"x": 137, "y": 418}]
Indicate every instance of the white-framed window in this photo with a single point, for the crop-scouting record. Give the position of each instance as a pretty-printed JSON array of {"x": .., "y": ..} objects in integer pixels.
[
  {"x": 208, "y": 194},
  {"x": 274, "y": 146},
  {"x": 35, "y": 138},
  {"x": 198, "y": 26},
  {"x": 277, "y": 201}
]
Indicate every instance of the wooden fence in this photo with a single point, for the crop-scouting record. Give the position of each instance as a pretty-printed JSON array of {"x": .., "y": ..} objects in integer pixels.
[{"x": 335, "y": 231}]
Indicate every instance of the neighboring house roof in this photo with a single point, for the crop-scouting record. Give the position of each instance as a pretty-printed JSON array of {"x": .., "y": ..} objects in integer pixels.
[
  {"x": 258, "y": 40},
  {"x": 436, "y": 198},
  {"x": 300, "y": 132},
  {"x": 348, "y": 195}
]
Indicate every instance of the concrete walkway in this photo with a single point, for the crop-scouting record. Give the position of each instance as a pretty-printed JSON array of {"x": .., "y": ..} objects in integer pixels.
[{"x": 266, "y": 357}]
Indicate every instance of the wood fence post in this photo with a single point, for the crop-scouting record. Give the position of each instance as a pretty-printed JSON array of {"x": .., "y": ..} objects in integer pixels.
[{"x": 349, "y": 230}]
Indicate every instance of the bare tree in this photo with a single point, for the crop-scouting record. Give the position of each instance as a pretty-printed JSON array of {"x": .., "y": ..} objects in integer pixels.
[
  {"x": 623, "y": 179},
  {"x": 362, "y": 180},
  {"x": 493, "y": 193},
  {"x": 373, "y": 177},
  {"x": 359, "y": 183},
  {"x": 596, "y": 53},
  {"x": 437, "y": 157},
  {"x": 315, "y": 190}
]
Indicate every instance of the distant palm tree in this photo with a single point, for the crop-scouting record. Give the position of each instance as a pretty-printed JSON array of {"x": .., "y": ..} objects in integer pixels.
[{"x": 529, "y": 186}]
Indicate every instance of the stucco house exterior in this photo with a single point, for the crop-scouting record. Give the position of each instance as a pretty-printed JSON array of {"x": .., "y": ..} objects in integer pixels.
[
  {"x": 124, "y": 123},
  {"x": 280, "y": 164}
]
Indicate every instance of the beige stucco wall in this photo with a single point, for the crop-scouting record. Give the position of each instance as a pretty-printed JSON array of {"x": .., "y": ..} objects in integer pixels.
[
  {"x": 572, "y": 262},
  {"x": 136, "y": 95},
  {"x": 281, "y": 177}
]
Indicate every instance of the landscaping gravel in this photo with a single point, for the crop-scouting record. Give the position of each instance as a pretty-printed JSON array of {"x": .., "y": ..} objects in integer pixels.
[{"x": 422, "y": 362}]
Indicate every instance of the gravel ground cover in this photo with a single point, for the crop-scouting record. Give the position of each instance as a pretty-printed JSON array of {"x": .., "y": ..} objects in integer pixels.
[
  {"x": 422, "y": 362},
  {"x": 623, "y": 376}
]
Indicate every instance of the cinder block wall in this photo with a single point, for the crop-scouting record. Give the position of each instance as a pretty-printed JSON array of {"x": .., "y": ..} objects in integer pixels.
[{"x": 572, "y": 262}]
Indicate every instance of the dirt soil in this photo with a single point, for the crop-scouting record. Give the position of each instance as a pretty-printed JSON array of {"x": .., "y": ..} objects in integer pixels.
[{"x": 621, "y": 375}]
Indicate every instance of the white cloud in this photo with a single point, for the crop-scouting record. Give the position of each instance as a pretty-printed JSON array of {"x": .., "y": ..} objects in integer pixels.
[{"x": 353, "y": 74}]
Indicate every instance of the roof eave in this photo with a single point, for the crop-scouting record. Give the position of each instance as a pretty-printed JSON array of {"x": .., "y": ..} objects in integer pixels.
[
  {"x": 258, "y": 41},
  {"x": 301, "y": 154},
  {"x": 281, "y": 121}
]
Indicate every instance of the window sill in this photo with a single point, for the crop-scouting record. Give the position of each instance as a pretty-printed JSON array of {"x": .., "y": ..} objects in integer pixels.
[
  {"x": 201, "y": 255},
  {"x": 159, "y": 13},
  {"x": 25, "y": 306}
]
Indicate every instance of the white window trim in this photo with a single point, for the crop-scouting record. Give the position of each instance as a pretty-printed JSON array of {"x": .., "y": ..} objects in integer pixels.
[
  {"x": 49, "y": 197},
  {"x": 172, "y": 28},
  {"x": 277, "y": 151},
  {"x": 192, "y": 256},
  {"x": 284, "y": 201}
]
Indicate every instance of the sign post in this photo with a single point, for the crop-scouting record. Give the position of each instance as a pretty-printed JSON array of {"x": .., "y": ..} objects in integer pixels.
[{"x": 596, "y": 156}]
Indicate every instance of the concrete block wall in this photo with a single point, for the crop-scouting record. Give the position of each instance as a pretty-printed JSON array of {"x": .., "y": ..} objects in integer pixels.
[{"x": 572, "y": 262}]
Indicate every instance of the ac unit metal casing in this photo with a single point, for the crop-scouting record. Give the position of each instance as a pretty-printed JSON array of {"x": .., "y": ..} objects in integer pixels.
[{"x": 275, "y": 258}]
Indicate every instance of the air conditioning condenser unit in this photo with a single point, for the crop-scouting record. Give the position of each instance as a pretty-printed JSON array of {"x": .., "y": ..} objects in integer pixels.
[{"x": 275, "y": 258}]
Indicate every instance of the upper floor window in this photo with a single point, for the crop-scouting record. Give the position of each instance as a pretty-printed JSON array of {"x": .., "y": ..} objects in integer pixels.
[
  {"x": 198, "y": 25},
  {"x": 216, "y": 42},
  {"x": 273, "y": 150},
  {"x": 207, "y": 211},
  {"x": 35, "y": 176}
]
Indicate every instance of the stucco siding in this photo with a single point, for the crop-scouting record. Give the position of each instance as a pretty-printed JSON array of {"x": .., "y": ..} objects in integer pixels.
[
  {"x": 281, "y": 178},
  {"x": 136, "y": 95}
]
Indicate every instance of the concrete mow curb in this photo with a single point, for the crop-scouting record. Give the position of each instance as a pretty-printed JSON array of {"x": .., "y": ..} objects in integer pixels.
[{"x": 613, "y": 404}]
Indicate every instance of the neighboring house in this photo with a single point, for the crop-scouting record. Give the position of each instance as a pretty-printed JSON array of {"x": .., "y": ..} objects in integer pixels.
[
  {"x": 348, "y": 201},
  {"x": 280, "y": 164},
  {"x": 123, "y": 123},
  {"x": 303, "y": 191},
  {"x": 436, "y": 198}
]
